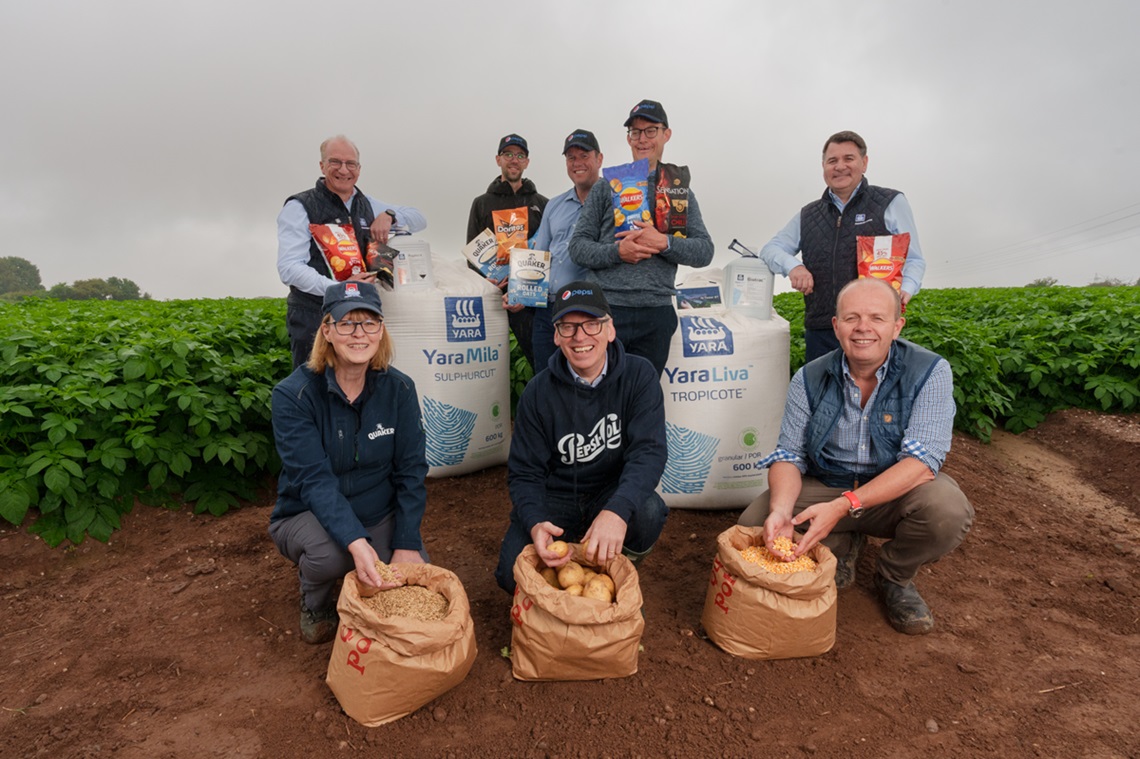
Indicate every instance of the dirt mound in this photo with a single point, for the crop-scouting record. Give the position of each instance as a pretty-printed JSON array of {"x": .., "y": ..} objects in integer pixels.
[{"x": 178, "y": 639}]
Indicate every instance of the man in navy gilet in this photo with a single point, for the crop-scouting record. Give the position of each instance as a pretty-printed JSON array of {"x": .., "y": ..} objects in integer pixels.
[
  {"x": 824, "y": 231},
  {"x": 866, "y": 430},
  {"x": 334, "y": 200}
]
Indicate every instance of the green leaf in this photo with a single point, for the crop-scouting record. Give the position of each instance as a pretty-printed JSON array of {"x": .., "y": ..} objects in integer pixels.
[
  {"x": 14, "y": 503},
  {"x": 56, "y": 479}
]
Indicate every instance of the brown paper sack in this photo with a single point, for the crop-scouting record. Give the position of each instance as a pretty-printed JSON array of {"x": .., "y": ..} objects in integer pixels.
[
  {"x": 557, "y": 636},
  {"x": 756, "y": 614},
  {"x": 384, "y": 668}
]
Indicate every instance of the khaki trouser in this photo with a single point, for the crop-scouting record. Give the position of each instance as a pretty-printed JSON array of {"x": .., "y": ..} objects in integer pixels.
[{"x": 920, "y": 527}]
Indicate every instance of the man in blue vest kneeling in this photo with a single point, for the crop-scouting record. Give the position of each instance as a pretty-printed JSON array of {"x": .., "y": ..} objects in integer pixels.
[{"x": 866, "y": 430}]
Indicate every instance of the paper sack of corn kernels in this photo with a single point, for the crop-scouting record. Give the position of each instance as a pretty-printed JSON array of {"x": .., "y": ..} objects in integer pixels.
[
  {"x": 756, "y": 613},
  {"x": 386, "y": 665}
]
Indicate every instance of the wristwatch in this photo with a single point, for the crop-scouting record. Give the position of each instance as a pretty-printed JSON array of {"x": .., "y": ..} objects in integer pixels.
[
  {"x": 391, "y": 213},
  {"x": 856, "y": 509}
]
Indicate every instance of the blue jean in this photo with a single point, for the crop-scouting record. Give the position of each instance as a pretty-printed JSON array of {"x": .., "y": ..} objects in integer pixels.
[
  {"x": 819, "y": 342},
  {"x": 646, "y": 331},
  {"x": 575, "y": 518}
]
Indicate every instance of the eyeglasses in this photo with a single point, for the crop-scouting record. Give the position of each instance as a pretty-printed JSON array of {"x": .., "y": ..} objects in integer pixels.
[
  {"x": 336, "y": 163},
  {"x": 347, "y": 327},
  {"x": 515, "y": 156},
  {"x": 650, "y": 132},
  {"x": 591, "y": 327}
]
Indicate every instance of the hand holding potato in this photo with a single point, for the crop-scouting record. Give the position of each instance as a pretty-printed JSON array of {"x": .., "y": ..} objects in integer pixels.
[
  {"x": 604, "y": 539},
  {"x": 542, "y": 535}
]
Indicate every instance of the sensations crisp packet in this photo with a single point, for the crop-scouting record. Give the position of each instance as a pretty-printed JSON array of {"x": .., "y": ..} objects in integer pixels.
[{"x": 629, "y": 184}]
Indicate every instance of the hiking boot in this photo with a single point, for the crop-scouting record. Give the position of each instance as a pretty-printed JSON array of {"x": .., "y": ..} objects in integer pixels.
[
  {"x": 845, "y": 565},
  {"x": 318, "y": 626},
  {"x": 906, "y": 611}
]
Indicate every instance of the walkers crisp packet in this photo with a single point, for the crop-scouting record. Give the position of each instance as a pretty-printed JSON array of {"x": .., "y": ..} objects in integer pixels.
[
  {"x": 510, "y": 231},
  {"x": 883, "y": 257},
  {"x": 338, "y": 243},
  {"x": 629, "y": 184},
  {"x": 530, "y": 283}
]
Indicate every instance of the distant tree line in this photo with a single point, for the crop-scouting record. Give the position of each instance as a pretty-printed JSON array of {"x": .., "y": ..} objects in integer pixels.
[
  {"x": 20, "y": 278},
  {"x": 1097, "y": 282}
]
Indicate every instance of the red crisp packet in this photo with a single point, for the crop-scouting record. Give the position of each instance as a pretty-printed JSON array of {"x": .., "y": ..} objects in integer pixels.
[
  {"x": 883, "y": 257},
  {"x": 338, "y": 243},
  {"x": 671, "y": 209}
]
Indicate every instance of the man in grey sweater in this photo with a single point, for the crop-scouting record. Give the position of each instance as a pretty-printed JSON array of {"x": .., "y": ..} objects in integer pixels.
[{"x": 637, "y": 269}]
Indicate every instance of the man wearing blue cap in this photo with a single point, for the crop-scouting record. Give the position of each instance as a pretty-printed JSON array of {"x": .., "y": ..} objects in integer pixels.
[
  {"x": 589, "y": 444},
  {"x": 638, "y": 268},
  {"x": 583, "y": 166},
  {"x": 510, "y": 190}
]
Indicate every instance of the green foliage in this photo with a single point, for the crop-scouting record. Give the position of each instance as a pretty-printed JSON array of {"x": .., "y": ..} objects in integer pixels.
[
  {"x": 1019, "y": 354},
  {"x": 112, "y": 288},
  {"x": 18, "y": 275},
  {"x": 1043, "y": 282},
  {"x": 103, "y": 402},
  {"x": 521, "y": 373}
]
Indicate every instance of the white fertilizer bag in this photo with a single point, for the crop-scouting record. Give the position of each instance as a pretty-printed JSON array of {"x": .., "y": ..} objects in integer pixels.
[
  {"x": 452, "y": 340},
  {"x": 725, "y": 385}
]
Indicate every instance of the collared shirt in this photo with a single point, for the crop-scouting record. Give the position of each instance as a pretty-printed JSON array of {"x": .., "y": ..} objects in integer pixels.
[
  {"x": 926, "y": 438},
  {"x": 293, "y": 238},
  {"x": 554, "y": 235},
  {"x": 780, "y": 252},
  {"x": 597, "y": 380}
]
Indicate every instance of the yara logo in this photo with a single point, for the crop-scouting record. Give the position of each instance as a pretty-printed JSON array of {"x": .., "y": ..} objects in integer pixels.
[
  {"x": 464, "y": 319},
  {"x": 606, "y": 434},
  {"x": 705, "y": 336}
]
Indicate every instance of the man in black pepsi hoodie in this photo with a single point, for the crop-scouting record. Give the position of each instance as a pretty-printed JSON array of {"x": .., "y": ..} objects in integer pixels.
[{"x": 589, "y": 444}]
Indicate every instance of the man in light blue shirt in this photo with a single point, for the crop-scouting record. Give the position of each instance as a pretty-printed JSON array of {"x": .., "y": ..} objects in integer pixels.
[
  {"x": 334, "y": 200},
  {"x": 583, "y": 166},
  {"x": 825, "y": 232},
  {"x": 866, "y": 430}
]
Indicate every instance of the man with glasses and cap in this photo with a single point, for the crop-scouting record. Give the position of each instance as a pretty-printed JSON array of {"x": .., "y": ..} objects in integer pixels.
[
  {"x": 334, "y": 200},
  {"x": 589, "y": 444},
  {"x": 510, "y": 190},
  {"x": 638, "y": 268},
  {"x": 583, "y": 166}
]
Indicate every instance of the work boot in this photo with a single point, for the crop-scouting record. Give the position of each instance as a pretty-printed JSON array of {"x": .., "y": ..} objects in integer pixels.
[
  {"x": 636, "y": 557},
  {"x": 906, "y": 610},
  {"x": 845, "y": 565},
  {"x": 318, "y": 626}
]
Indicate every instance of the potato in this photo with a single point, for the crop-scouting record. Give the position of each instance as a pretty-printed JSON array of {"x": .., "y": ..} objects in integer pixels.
[
  {"x": 551, "y": 578},
  {"x": 574, "y": 590},
  {"x": 570, "y": 574},
  {"x": 597, "y": 589},
  {"x": 587, "y": 575},
  {"x": 559, "y": 548},
  {"x": 608, "y": 581}
]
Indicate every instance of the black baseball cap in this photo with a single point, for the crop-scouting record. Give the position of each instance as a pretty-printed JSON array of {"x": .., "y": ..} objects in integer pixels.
[
  {"x": 650, "y": 110},
  {"x": 344, "y": 297},
  {"x": 581, "y": 138},
  {"x": 513, "y": 139},
  {"x": 581, "y": 296}
]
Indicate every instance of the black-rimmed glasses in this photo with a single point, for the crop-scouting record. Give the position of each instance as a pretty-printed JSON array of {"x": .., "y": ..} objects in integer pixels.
[
  {"x": 649, "y": 132},
  {"x": 348, "y": 327},
  {"x": 569, "y": 329}
]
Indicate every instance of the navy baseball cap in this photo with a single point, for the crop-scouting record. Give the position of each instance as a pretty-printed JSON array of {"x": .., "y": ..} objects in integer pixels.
[
  {"x": 581, "y": 296},
  {"x": 581, "y": 138},
  {"x": 650, "y": 110},
  {"x": 345, "y": 297},
  {"x": 513, "y": 139}
]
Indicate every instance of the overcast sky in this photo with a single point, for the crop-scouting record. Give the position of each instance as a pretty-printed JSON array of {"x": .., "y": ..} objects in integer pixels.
[{"x": 157, "y": 141}]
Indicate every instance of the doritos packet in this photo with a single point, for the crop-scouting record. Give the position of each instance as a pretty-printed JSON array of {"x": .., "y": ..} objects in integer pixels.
[
  {"x": 629, "y": 187},
  {"x": 882, "y": 257},
  {"x": 338, "y": 244},
  {"x": 671, "y": 200},
  {"x": 510, "y": 231},
  {"x": 482, "y": 252}
]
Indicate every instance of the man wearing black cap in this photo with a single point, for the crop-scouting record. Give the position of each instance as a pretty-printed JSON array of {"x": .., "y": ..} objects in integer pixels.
[
  {"x": 510, "y": 190},
  {"x": 583, "y": 166},
  {"x": 589, "y": 444},
  {"x": 638, "y": 268}
]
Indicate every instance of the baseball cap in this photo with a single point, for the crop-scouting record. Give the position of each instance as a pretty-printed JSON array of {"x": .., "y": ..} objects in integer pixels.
[
  {"x": 344, "y": 297},
  {"x": 650, "y": 110},
  {"x": 512, "y": 139},
  {"x": 581, "y": 296},
  {"x": 581, "y": 138}
]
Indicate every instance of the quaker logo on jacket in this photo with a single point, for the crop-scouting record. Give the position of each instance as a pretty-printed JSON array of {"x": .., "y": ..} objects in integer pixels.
[
  {"x": 575, "y": 448},
  {"x": 705, "y": 336},
  {"x": 381, "y": 431},
  {"x": 465, "y": 323}
]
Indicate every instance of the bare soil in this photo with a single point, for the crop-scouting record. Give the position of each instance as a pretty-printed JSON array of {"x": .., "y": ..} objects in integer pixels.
[{"x": 179, "y": 639}]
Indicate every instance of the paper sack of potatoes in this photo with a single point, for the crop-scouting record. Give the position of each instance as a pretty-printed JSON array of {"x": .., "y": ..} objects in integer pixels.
[
  {"x": 396, "y": 650},
  {"x": 569, "y": 627}
]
